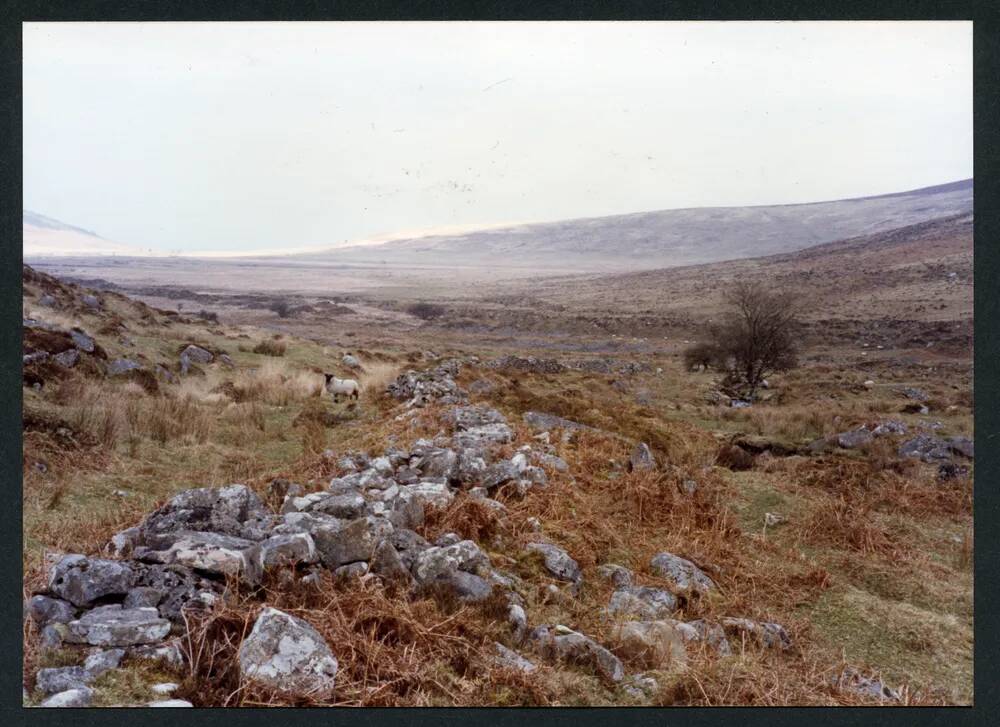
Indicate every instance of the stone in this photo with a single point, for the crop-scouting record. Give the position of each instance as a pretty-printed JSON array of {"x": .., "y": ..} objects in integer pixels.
[
  {"x": 61, "y": 679},
  {"x": 465, "y": 586},
  {"x": 484, "y": 436},
  {"x": 114, "y": 626},
  {"x": 772, "y": 519},
  {"x": 169, "y": 653},
  {"x": 44, "y": 610},
  {"x": 471, "y": 466},
  {"x": 386, "y": 562},
  {"x": 437, "y": 562},
  {"x": 287, "y": 550},
  {"x": 536, "y": 476},
  {"x": 170, "y": 703},
  {"x": 181, "y": 589},
  {"x": 702, "y": 632},
  {"x": 553, "y": 462},
  {"x": 122, "y": 544},
  {"x": 434, "y": 462},
  {"x": 144, "y": 597},
  {"x": 855, "y": 439},
  {"x": 206, "y": 551},
  {"x": 53, "y": 636},
  {"x": 284, "y": 652},
  {"x": 346, "y": 504},
  {"x": 122, "y": 366},
  {"x": 926, "y": 447},
  {"x": 427, "y": 493},
  {"x": 350, "y": 361},
  {"x": 852, "y": 680},
  {"x": 963, "y": 446},
  {"x": 354, "y": 542},
  {"x": 470, "y": 417},
  {"x": 641, "y": 459},
  {"x": 307, "y": 522},
  {"x": 67, "y": 359},
  {"x": 407, "y": 476},
  {"x": 642, "y": 602},
  {"x": 567, "y": 645},
  {"x": 351, "y": 570},
  {"x": 658, "y": 643},
  {"x": 79, "y": 697},
  {"x": 640, "y": 686},
  {"x": 557, "y": 562},
  {"x": 913, "y": 393},
  {"x": 619, "y": 575},
  {"x": 103, "y": 660},
  {"x": 517, "y": 619},
  {"x": 232, "y": 510},
  {"x": 682, "y": 573},
  {"x": 82, "y": 341},
  {"x": 48, "y": 301},
  {"x": 90, "y": 301},
  {"x": 890, "y": 426},
  {"x": 165, "y": 688},
  {"x": 768, "y": 635},
  {"x": 82, "y": 580},
  {"x": 197, "y": 354},
  {"x": 498, "y": 474},
  {"x": 510, "y": 659}
]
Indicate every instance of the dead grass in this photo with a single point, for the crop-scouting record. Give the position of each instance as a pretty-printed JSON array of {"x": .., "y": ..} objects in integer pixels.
[{"x": 376, "y": 377}]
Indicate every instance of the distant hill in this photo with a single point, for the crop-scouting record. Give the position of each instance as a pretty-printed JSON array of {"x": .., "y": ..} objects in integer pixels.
[
  {"x": 45, "y": 236},
  {"x": 671, "y": 237}
]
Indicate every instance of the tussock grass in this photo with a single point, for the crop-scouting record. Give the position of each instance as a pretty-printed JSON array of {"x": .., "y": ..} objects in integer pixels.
[{"x": 270, "y": 347}]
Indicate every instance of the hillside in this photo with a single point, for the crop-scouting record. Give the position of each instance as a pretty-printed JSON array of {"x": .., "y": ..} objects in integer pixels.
[
  {"x": 44, "y": 236},
  {"x": 915, "y": 280},
  {"x": 673, "y": 237},
  {"x": 479, "y": 529}
]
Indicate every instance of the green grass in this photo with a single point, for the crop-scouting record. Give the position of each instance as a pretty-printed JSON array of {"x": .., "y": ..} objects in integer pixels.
[{"x": 909, "y": 644}]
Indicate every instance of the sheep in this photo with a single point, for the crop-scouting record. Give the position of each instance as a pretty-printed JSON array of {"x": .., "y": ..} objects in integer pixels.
[{"x": 336, "y": 387}]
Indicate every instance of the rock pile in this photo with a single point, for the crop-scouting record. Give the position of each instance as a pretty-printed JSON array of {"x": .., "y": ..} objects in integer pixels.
[
  {"x": 180, "y": 557},
  {"x": 420, "y": 388}
]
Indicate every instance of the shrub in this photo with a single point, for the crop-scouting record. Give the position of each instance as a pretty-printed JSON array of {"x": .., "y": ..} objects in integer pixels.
[
  {"x": 270, "y": 348},
  {"x": 706, "y": 354},
  {"x": 425, "y": 311},
  {"x": 280, "y": 307}
]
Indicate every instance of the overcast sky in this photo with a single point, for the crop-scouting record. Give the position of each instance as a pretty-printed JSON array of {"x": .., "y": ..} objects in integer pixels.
[{"x": 229, "y": 136}]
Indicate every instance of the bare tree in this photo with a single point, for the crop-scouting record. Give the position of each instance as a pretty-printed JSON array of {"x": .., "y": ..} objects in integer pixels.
[{"x": 757, "y": 335}]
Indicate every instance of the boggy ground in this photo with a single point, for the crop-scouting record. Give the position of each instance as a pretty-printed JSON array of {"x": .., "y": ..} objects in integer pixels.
[{"x": 871, "y": 567}]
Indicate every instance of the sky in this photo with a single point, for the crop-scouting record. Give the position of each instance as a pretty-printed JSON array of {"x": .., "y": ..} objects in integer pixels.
[{"x": 195, "y": 137}]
